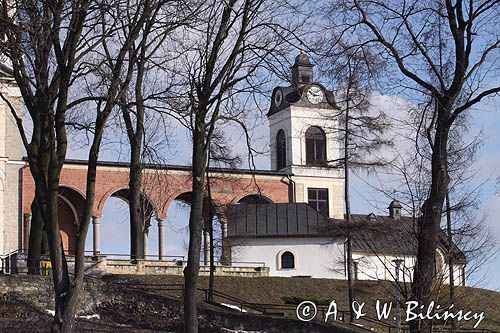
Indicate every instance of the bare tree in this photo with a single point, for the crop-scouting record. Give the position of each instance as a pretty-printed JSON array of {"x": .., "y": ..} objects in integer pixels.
[
  {"x": 149, "y": 58},
  {"x": 53, "y": 46},
  {"x": 225, "y": 53},
  {"x": 463, "y": 234},
  {"x": 361, "y": 129},
  {"x": 42, "y": 44},
  {"x": 435, "y": 48}
]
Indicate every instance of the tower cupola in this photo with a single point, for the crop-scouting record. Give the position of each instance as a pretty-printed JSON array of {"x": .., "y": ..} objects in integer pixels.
[
  {"x": 395, "y": 209},
  {"x": 302, "y": 70}
]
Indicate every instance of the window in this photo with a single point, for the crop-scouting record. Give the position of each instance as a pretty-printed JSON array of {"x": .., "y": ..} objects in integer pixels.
[
  {"x": 281, "y": 149},
  {"x": 305, "y": 79},
  {"x": 318, "y": 199},
  {"x": 315, "y": 146},
  {"x": 287, "y": 260}
]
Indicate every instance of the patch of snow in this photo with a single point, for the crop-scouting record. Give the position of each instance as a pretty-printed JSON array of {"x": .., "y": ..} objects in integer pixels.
[
  {"x": 92, "y": 316},
  {"x": 227, "y": 330},
  {"x": 234, "y": 307}
]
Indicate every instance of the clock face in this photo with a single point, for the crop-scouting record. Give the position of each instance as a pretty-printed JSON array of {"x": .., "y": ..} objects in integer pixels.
[
  {"x": 315, "y": 94},
  {"x": 278, "y": 97}
]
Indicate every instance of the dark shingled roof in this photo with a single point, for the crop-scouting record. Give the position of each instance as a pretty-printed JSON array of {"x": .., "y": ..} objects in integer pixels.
[
  {"x": 369, "y": 233},
  {"x": 383, "y": 234},
  {"x": 274, "y": 220}
]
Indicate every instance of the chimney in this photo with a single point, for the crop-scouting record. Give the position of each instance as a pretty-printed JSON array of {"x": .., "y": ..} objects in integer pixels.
[{"x": 395, "y": 210}]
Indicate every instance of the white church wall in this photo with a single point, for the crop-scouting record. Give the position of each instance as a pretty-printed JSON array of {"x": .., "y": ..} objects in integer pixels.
[
  {"x": 294, "y": 122},
  {"x": 335, "y": 192},
  {"x": 11, "y": 150},
  {"x": 382, "y": 267},
  {"x": 280, "y": 121},
  {"x": 302, "y": 119},
  {"x": 315, "y": 257}
]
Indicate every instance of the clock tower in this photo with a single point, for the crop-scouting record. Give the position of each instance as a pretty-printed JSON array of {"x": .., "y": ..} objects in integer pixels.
[{"x": 303, "y": 123}]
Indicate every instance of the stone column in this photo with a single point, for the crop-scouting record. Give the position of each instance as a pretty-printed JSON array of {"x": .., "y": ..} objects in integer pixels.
[
  {"x": 224, "y": 229},
  {"x": 96, "y": 222},
  {"x": 26, "y": 231},
  {"x": 161, "y": 239},
  {"x": 146, "y": 244},
  {"x": 206, "y": 247},
  {"x": 224, "y": 258}
]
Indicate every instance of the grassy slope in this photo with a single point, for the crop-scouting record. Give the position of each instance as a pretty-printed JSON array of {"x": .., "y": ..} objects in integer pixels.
[{"x": 272, "y": 291}]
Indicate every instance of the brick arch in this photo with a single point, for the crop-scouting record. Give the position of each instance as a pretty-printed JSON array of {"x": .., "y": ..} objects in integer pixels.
[
  {"x": 70, "y": 210},
  {"x": 178, "y": 196},
  {"x": 171, "y": 198},
  {"x": 228, "y": 186},
  {"x": 76, "y": 189},
  {"x": 106, "y": 195}
]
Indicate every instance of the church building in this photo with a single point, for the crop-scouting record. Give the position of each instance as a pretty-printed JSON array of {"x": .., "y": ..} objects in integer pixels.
[{"x": 307, "y": 237}]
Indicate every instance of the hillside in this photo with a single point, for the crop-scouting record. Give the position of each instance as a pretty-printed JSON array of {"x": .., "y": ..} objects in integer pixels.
[{"x": 276, "y": 290}]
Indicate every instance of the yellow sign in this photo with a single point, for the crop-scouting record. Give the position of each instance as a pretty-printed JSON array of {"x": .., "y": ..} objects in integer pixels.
[{"x": 46, "y": 267}]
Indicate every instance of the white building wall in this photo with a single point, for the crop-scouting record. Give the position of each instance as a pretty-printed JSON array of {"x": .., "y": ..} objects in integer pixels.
[
  {"x": 315, "y": 257},
  {"x": 11, "y": 150},
  {"x": 383, "y": 267},
  {"x": 324, "y": 258},
  {"x": 294, "y": 121}
]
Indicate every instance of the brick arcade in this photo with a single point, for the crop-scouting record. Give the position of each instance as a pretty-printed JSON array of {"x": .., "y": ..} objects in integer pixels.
[{"x": 162, "y": 185}]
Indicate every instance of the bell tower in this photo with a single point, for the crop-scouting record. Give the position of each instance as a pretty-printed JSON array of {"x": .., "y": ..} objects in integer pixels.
[{"x": 303, "y": 122}]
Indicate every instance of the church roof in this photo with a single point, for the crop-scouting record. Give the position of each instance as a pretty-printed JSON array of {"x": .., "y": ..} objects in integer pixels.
[
  {"x": 369, "y": 233},
  {"x": 395, "y": 204},
  {"x": 295, "y": 94},
  {"x": 274, "y": 220}
]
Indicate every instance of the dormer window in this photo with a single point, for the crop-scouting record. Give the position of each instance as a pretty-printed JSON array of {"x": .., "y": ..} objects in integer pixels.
[
  {"x": 281, "y": 149},
  {"x": 315, "y": 146}
]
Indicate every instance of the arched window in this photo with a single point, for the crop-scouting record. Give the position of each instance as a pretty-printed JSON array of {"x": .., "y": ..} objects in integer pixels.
[
  {"x": 281, "y": 149},
  {"x": 287, "y": 260},
  {"x": 315, "y": 146}
]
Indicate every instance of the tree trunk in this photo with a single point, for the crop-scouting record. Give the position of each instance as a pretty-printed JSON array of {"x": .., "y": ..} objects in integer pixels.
[
  {"x": 348, "y": 205},
  {"x": 209, "y": 224},
  {"x": 135, "y": 202},
  {"x": 195, "y": 228},
  {"x": 69, "y": 302},
  {"x": 429, "y": 224},
  {"x": 35, "y": 239},
  {"x": 211, "y": 281},
  {"x": 451, "y": 262},
  {"x": 59, "y": 265}
]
